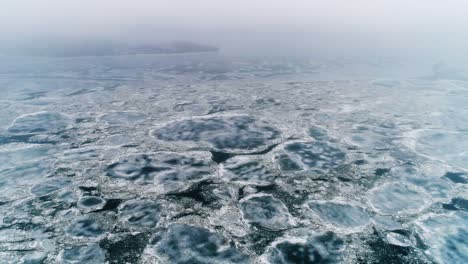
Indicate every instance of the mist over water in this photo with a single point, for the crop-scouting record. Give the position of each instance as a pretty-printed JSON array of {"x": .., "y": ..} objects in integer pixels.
[{"x": 418, "y": 29}]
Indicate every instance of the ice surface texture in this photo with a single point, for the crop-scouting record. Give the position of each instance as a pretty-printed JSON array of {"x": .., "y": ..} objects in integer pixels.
[
  {"x": 325, "y": 248},
  {"x": 266, "y": 211},
  {"x": 448, "y": 146},
  {"x": 91, "y": 202},
  {"x": 397, "y": 198},
  {"x": 192, "y": 244},
  {"x": 43, "y": 122},
  {"x": 315, "y": 156},
  {"x": 141, "y": 213},
  {"x": 123, "y": 118},
  {"x": 88, "y": 254},
  {"x": 340, "y": 215},
  {"x": 50, "y": 186},
  {"x": 168, "y": 171},
  {"x": 85, "y": 227},
  {"x": 231, "y": 134},
  {"x": 248, "y": 171}
]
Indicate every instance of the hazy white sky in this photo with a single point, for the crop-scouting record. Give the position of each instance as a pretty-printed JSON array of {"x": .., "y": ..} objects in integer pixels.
[
  {"x": 204, "y": 19},
  {"x": 23, "y": 16}
]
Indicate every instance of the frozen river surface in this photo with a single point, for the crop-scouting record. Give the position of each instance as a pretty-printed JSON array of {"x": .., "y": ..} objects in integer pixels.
[{"x": 206, "y": 159}]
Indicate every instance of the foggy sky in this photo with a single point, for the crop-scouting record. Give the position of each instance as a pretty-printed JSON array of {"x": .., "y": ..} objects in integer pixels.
[{"x": 231, "y": 23}]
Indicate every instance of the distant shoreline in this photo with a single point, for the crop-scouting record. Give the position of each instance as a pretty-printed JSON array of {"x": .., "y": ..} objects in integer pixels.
[
  {"x": 110, "y": 55},
  {"x": 79, "y": 51}
]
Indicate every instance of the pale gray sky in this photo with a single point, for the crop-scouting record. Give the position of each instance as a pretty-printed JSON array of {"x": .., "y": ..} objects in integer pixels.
[
  {"x": 24, "y": 16},
  {"x": 218, "y": 20}
]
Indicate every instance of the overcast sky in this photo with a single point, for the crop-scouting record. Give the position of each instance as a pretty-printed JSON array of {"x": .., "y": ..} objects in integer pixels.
[{"x": 218, "y": 20}]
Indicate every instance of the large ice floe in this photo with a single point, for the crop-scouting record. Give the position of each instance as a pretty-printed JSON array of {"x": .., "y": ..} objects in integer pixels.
[
  {"x": 320, "y": 248},
  {"x": 266, "y": 211},
  {"x": 448, "y": 146},
  {"x": 317, "y": 156},
  {"x": 39, "y": 122},
  {"x": 341, "y": 215},
  {"x": 166, "y": 171},
  {"x": 193, "y": 244},
  {"x": 397, "y": 198},
  {"x": 230, "y": 134}
]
